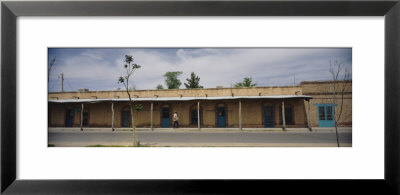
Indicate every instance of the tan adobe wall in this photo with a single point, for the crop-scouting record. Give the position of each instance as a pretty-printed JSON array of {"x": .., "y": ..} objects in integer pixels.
[
  {"x": 56, "y": 114},
  {"x": 100, "y": 114},
  {"x": 252, "y": 110},
  {"x": 318, "y": 87},
  {"x": 251, "y": 91},
  {"x": 322, "y": 94}
]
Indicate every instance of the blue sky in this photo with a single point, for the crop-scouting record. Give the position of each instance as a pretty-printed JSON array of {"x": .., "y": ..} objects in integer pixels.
[{"x": 99, "y": 69}]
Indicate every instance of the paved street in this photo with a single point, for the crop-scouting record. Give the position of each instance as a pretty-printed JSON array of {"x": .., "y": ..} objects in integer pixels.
[{"x": 199, "y": 138}]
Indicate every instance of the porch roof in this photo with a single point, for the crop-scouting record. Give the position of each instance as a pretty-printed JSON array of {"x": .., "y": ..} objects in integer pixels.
[{"x": 163, "y": 99}]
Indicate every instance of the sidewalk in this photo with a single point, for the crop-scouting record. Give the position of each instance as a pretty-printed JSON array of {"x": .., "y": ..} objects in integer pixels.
[
  {"x": 149, "y": 144},
  {"x": 192, "y": 137},
  {"x": 209, "y": 130}
]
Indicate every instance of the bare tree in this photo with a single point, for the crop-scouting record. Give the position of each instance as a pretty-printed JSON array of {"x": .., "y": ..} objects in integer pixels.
[
  {"x": 341, "y": 76},
  {"x": 130, "y": 68},
  {"x": 51, "y": 66}
]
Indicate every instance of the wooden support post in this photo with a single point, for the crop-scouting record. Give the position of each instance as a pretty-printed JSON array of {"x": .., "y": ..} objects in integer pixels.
[
  {"x": 151, "y": 116},
  {"x": 198, "y": 115},
  {"x": 283, "y": 116},
  {"x": 82, "y": 117},
  {"x": 240, "y": 114},
  {"x": 309, "y": 116},
  {"x": 112, "y": 116}
]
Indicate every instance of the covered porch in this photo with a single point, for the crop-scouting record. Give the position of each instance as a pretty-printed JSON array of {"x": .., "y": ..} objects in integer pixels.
[{"x": 233, "y": 112}]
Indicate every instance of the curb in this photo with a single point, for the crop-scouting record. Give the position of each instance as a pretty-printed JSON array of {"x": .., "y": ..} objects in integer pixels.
[
  {"x": 205, "y": 130},
  {"x": 228, "y": 145}
]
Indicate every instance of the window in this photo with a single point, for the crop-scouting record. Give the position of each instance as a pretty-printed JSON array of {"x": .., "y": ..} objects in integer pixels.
[
  {"x": 221, "y": 112},
  {"x": 325, "y": 112},
  {"x": 321, "y": 111},
  {"x": 165, "y": 113},
  {"x": 329, "y": 113},
  {"x": 326, "y": 115}
]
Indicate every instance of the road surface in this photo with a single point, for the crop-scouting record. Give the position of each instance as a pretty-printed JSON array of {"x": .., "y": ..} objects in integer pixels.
[{"x": 159, "y": 138}]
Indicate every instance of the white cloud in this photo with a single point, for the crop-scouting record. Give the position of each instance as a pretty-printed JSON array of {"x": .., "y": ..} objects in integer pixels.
[{"x": 97, "y": 70}]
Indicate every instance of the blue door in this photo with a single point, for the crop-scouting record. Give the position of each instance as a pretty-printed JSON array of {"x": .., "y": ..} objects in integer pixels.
[
  {"x": 69, "y": 118},
  {"x": 126, "y": 118},
  {"x": 221, "y": 117},
  {"x": 268, "y": 116},
  {"x": 326, "y": 114},
  {"x": 165, "y": 121}
]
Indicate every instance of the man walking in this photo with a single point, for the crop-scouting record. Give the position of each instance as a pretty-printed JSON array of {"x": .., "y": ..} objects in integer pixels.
[{"x": 176, "y": 120}]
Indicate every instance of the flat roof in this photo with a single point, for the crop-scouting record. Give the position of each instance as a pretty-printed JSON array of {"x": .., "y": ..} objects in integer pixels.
[
  {"x": 191, "y": 89},
  {"x": 158, "y": 99}
]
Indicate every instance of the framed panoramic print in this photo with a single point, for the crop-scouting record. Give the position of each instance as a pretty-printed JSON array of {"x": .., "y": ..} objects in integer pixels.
[{"x": 199, "y": 97}]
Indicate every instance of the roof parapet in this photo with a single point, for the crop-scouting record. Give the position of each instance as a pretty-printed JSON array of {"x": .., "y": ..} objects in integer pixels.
[{"x": 184, "y": 98}]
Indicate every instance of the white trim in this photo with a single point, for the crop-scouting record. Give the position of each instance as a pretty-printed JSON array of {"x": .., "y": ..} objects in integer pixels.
[{"x": 180, "y": 98}]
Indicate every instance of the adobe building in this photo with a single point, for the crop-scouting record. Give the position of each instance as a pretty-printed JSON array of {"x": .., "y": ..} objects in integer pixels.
[{"x": 310, "y": 104}]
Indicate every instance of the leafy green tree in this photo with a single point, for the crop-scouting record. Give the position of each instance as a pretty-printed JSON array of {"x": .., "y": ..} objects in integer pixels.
[
  {"x": 247, "y": 82},
  {"x": 130, "y": 68},
  {"x": 159, "y": 86},
  {"x": 193, "y": 82},
  {"x": 171, "y": 79}
]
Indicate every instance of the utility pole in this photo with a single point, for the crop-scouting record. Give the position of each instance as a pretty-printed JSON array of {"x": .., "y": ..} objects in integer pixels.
[
  {"x": 62, "y": 82},
  {"x": 231, "y": 88}
]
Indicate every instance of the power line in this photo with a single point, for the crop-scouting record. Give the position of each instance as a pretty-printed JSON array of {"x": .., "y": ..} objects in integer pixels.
[
  {"x": 69, "y": 85},
  {"x": 52, "y": 83}
]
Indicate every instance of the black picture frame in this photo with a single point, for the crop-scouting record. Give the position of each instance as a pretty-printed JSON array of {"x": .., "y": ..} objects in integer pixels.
[{"x": 10, "y": 10}]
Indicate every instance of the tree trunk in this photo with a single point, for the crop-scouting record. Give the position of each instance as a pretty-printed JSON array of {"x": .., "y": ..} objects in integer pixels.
[
  {"x": 133, "y": 127},
  {"x": 112, "y": 117},
  {"x": 337, "y": 135},
  {"x": 151, "y": 117}
]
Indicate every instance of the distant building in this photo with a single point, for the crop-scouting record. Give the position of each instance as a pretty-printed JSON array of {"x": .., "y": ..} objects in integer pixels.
[
  {"x": 306, "y": 105},
  {"x": 83, "y": 90}
]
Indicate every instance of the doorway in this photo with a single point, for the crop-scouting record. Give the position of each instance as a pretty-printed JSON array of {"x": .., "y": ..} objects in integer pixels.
[
  {"x": 126, "y": 118},
  {"x": 165, "y": 117},
  {"x": 221, "y": 116},
  {"x": 268, "y": 116},
  {"x": 326, "y": 114},
  {"x": 69, "y": 118}
]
